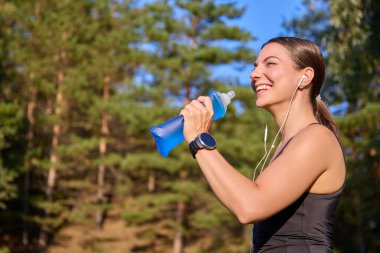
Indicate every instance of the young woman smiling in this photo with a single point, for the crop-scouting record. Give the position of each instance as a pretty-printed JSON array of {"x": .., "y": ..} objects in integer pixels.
[{"x": 292, "y": 202}]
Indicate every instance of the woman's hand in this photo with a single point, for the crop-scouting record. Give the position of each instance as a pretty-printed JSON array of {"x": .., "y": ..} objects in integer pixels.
[{"x": 198, "y": 117}]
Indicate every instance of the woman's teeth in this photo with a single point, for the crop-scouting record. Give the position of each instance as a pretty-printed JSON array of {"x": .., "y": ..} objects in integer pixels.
[{"x": 263, "y": 87}]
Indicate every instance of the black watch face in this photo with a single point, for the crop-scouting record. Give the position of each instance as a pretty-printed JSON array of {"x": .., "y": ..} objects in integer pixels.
[{"x": 207, "y": 140}]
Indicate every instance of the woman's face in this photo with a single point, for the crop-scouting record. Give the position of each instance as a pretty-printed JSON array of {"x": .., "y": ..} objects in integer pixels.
[{"x": 275, "y": 77}]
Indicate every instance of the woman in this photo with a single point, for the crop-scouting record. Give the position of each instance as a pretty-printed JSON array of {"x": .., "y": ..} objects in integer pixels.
[{"x": 292, "y": 202}]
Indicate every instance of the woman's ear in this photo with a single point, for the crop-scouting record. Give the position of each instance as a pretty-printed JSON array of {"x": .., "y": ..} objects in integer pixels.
[{"x": 307, "y": 77}]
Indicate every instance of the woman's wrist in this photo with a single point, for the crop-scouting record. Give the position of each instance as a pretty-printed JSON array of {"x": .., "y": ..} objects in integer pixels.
[{"x": 202, "y": 141}]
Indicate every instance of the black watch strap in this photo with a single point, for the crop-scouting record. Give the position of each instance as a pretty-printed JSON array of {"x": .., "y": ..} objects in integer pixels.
[{"x": 193, "y": 148}]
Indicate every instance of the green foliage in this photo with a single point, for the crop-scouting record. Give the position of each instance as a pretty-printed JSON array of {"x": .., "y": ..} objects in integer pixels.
[
  {"x": 211, "y": 216},
  {"x": 7, "y": 188},
  {"x": 133, "y": 65},
  {"x": 10, "y": 127},
  {"x": 365, "y": 121},
  {"x": 152, "y": 58},
  {"x": 5, "y": 250},
  {"x": 156, "y": 57},
  {"x": 192, "y": 35},
  {"x": 154, "y": 207}
]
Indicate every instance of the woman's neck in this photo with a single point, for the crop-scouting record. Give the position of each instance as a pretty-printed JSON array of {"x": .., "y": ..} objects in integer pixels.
[{"x": 300, "y": 115}]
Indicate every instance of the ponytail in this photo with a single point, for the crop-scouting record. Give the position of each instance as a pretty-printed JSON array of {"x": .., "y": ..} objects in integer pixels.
[{"x": 324, "y": 116}]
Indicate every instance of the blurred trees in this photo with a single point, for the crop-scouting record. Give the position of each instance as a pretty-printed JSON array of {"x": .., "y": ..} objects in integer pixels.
[
  {"x": 194, "y": 37},
  {"x": 10, "y": 113},
  {"x": 82, "y": 82}
]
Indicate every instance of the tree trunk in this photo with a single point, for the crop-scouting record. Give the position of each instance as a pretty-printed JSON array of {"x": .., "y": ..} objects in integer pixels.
[
  {"x": 181, "y": 205},
  {"x": 247, "y": 235},
  {"x": 30, "y": 140},
  {"x": 104, "y": 131},
  {"x": 27, "y": 163},
  {"x": 152, "y": 181},
  {"x": 357, "y": 201},
  {"x": 178, "y": 235},
  {"x": 52, "y": 174}
]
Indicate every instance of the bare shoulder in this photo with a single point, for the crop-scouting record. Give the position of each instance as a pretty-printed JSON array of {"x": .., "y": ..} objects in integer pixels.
[
  {"x": 320, "y": 146},
  {"x": 317, "y": 148},
  {"x": 317, "y": 139}
]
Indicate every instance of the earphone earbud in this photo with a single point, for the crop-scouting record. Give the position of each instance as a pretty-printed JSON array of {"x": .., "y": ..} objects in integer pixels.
[{"x": 303, "y": 77}]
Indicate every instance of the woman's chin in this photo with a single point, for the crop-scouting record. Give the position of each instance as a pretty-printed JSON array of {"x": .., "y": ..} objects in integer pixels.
[{"x": 260, "y": 103}]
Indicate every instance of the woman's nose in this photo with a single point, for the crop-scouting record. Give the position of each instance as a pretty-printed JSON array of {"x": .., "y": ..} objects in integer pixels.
[{"x": 255, "y": 74}]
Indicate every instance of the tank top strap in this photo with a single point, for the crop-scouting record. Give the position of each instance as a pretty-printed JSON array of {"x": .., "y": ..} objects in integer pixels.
[
  {"x": 282, "y": 149},
  {"x": 286, "y": 144}
]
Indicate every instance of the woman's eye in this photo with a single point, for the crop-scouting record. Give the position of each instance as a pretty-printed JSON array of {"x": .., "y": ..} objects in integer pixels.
[{"x": 270, "y": 63}]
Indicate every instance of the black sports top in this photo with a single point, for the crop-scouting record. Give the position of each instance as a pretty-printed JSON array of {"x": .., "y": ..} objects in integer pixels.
[{"x": 306, "y": 226}]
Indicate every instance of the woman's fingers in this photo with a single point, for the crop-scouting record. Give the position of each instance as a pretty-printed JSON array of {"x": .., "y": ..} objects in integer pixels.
[
  {"x": 203, "y": 106},
  {"x": 206, "y": 101},
  {"x": 198, "y": 117},
  {"x": 191, "y": 110}
]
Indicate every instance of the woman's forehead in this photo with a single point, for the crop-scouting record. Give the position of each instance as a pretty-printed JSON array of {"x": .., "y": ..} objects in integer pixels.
[{"x": 273, "y": 49}]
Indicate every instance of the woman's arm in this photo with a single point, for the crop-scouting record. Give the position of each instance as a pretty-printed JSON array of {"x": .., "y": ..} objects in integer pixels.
[{"x": 280, "y": 184}]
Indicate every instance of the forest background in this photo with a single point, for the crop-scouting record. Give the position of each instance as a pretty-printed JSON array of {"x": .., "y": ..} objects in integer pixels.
[{"x": 81, "y": 82}]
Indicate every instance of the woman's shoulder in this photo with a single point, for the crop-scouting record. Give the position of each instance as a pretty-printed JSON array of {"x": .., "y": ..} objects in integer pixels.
[
  {"x": 316, "y": 142},
  {"x": 327, "y": 153},
  {"x": 317, "y": 135}
]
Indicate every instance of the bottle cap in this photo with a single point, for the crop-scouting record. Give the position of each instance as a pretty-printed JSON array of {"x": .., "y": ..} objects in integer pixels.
[
  {"x": 231, "y": 94},
  {"x": 226, "y": 98}
]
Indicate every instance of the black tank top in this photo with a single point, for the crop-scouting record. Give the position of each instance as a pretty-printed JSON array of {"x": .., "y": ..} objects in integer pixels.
[{"x": 306, "y": 226}]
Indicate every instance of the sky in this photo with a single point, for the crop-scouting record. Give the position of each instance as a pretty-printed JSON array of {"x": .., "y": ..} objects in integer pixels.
[{"x": 263, "y": 18}]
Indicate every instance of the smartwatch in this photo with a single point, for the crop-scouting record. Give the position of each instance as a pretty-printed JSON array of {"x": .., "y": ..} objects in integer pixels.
[{"x": 202, "y": 141}]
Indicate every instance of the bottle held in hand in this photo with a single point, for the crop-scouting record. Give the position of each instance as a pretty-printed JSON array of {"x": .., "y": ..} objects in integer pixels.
[{"x": 169, "y": 134}]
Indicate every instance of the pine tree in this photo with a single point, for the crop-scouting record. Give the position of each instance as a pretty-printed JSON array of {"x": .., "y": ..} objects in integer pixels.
[
  {"x": 12, "y": 119},
  {"x": 87, "y": 81},
  {"x": 114, "y": 62},
  {"x": 10, "y": 110},
  {"x": 185, "y": 52},
  {"x": 46, "y": 53}
]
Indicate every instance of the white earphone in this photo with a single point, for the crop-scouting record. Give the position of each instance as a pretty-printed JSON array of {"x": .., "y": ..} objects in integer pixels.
[{"x": 303, "y": 77}]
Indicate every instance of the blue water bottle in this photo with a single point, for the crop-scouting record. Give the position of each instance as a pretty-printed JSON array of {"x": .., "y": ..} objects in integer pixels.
[{"x": 169, "y": 134}]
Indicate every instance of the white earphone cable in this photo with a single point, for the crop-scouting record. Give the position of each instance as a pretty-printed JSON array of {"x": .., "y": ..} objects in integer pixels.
[{"x": 267, "y": 154}]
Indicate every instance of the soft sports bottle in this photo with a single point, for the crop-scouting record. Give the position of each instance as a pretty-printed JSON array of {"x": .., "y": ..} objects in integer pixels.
[{"x": 169, "y": 134}]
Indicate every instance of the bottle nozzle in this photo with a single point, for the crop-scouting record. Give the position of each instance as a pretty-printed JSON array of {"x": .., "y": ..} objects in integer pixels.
[{"x": 231, "y": 94}]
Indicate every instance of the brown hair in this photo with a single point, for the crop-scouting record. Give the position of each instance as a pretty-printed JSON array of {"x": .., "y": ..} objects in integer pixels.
[{"x": 306, "y": 53}]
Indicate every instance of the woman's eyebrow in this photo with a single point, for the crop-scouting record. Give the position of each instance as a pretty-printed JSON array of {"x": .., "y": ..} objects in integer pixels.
[
  {"x": 271, "y": 56},
  {"x": 267, "y": 58}
]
